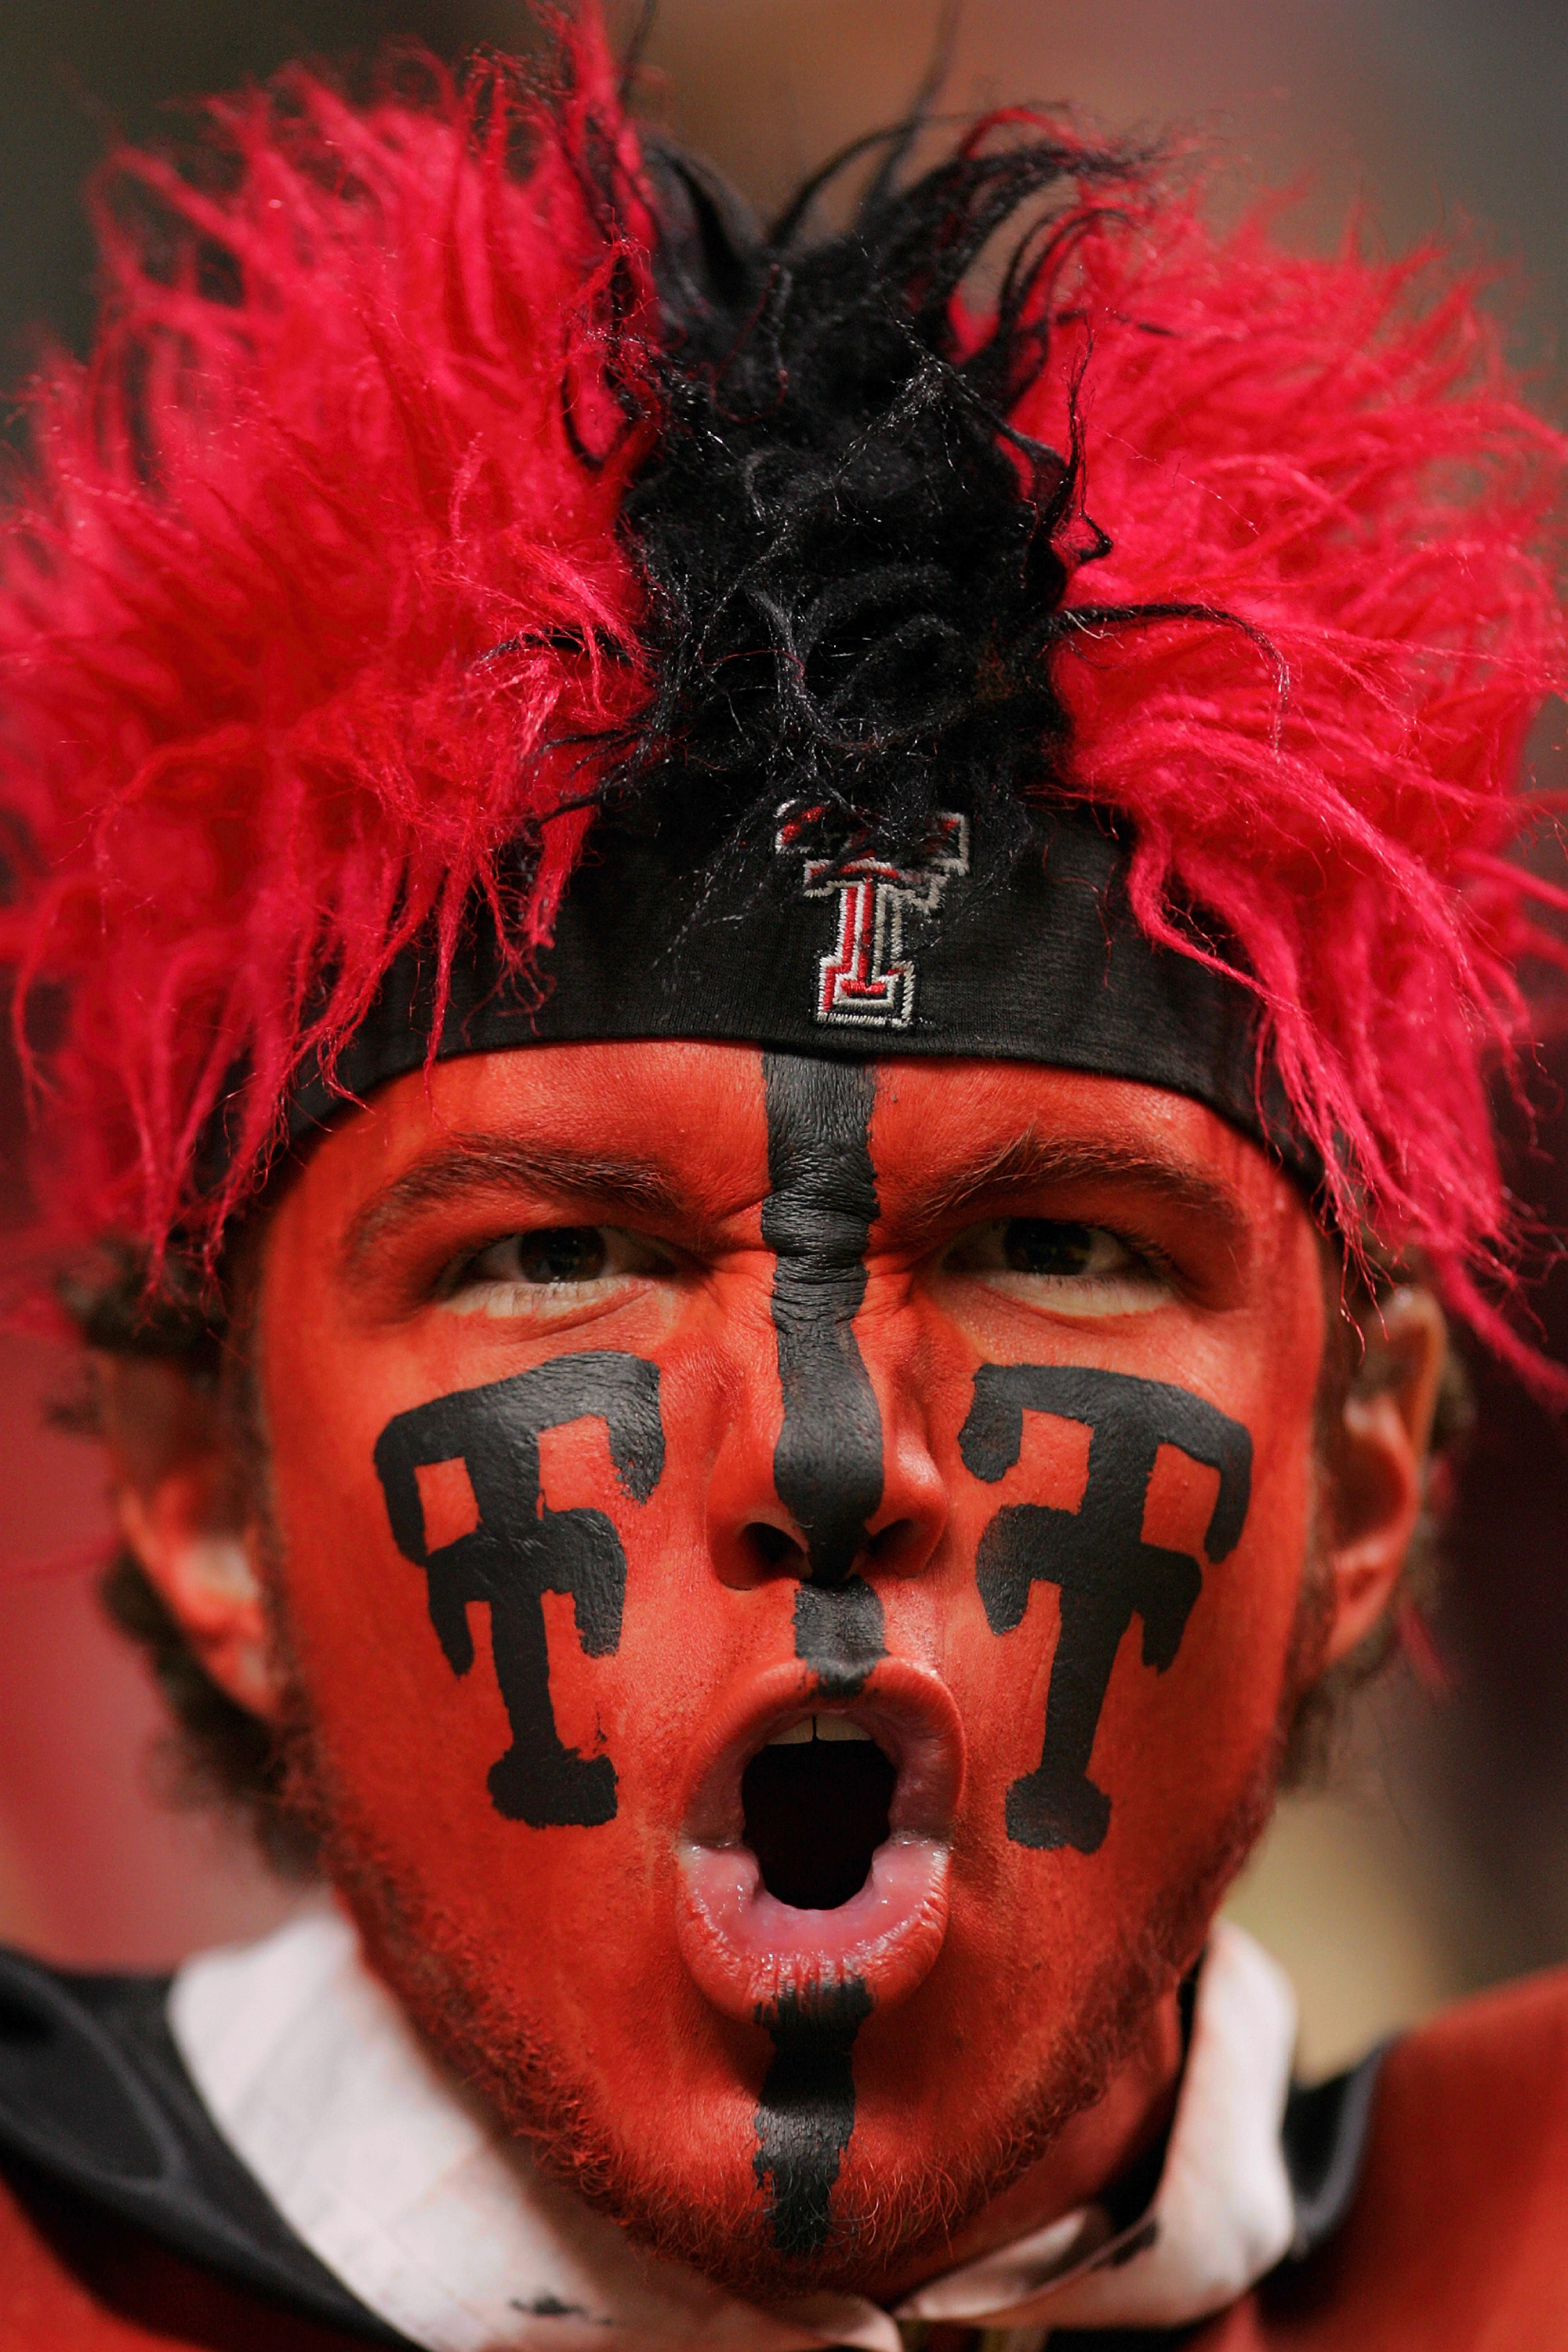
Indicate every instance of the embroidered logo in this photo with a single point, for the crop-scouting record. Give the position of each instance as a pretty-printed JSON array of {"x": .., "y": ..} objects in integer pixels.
[{"x": 868, "y": 980}]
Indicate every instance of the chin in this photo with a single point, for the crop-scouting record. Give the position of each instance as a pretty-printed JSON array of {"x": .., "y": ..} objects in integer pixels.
[
  {"x": 775, "y": 2177},
  {"x": 844, "y": 2129}
]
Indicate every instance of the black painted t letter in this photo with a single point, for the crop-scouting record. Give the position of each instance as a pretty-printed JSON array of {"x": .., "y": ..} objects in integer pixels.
[
  {"x": 1096, "y": 1555},
  {"x": 520, "y": 1551}
]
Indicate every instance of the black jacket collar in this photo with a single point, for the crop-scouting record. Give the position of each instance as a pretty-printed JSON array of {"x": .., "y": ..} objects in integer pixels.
[{"x": 94, "y": 2098}]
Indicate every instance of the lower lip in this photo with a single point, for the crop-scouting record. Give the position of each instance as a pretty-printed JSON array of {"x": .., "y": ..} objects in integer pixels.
[{"x": 745, "y": 1949}]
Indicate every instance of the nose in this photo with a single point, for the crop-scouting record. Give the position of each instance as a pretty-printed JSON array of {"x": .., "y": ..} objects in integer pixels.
[
  {"x": 851, "y": 1483},
  {"x": 834, "y": 1494}
]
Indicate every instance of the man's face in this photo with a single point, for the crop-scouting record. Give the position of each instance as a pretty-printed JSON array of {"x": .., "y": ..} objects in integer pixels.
[{"x": 791, "y": 1569}]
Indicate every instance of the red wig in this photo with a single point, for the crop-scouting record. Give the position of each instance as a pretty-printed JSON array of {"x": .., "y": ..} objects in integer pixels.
[
  {"x": 318, "y": 582},
  {"x": 1333, "y": 452},
  {"x": 322, "y": 594}
]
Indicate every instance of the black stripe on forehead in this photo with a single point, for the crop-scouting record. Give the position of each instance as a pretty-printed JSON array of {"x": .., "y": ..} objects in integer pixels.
[{"x": 817, "y": 1219}]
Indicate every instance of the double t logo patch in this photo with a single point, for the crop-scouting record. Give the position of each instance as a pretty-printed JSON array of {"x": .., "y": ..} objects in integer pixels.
[
  {"x": 868, "y": 980},
  {"x": 1096, "y": 1555}
]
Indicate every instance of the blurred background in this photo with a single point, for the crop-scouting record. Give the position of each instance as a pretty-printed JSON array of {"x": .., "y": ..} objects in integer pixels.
[{"x": 1438, "y": 1861}]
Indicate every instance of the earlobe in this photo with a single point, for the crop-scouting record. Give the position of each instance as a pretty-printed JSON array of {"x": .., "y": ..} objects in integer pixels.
[
  {"x": 1379, "y": 1464},
  {"x": 173, "y": 1489}
]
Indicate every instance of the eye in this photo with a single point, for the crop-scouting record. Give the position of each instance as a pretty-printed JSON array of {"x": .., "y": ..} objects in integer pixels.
[
  {"x": 1070, "y": 1269},
  {"x": 552, "y": 1268}
]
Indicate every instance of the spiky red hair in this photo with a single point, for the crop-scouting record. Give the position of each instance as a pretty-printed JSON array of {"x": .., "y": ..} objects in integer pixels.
[
  {"x": 321, "y": 597},
  {"x": 317, "y": 588},
  {"x": 1334, "y": 453}
]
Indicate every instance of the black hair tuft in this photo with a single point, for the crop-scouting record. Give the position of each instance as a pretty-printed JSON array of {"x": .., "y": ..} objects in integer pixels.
[{"x": 857, "y": 568}]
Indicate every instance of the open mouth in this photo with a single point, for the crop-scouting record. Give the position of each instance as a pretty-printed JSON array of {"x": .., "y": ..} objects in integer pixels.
[
  {"x": 816, "y": 1800},
  {"x": 815, "y": 1846}
]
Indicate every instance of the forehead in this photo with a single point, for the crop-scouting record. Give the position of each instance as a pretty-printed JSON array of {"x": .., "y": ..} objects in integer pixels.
[{"x": 689, "y": 1123}]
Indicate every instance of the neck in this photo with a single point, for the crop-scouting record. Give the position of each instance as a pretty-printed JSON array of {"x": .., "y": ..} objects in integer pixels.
[{"x": 1088, "y": 2157}]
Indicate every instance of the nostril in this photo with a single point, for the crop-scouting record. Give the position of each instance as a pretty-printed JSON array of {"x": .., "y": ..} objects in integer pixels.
[
  {"x": 889, "y": 1543},
  {"x": 773, "y": 1549}
]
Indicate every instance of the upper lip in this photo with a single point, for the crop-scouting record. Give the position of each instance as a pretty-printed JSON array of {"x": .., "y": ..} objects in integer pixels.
[{"x": 906, "y": 1709}]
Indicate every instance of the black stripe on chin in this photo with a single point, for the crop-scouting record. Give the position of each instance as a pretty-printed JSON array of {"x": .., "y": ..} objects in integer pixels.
[{"x": 805, "y": 2116}]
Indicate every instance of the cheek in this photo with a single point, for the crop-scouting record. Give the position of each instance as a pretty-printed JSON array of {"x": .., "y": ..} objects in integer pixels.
[
  {"x": 1137, "y": 1570},
  {"x": 1185, "y": 1744},
  {"x": 1120, "y": 1692},
  {"x": 574, "y": 1920},
  {"x": 1042, "y": 1934}
]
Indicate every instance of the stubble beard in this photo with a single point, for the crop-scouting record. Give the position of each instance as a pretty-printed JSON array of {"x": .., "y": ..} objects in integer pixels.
[{"x": 691, "y": 2210}]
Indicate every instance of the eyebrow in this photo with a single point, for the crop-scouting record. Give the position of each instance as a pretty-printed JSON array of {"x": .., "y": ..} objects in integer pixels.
[
  {"x": 470, "y": 1166},
  {"x": 474, "y": 1165},
  {"x": 1035, "y": 1160}
]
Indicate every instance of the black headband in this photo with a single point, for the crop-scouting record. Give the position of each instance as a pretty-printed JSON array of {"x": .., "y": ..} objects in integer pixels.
[{"x": 1022, "y": 948}]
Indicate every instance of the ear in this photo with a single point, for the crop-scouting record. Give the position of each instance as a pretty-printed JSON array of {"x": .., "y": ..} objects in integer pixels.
[
  {"x": 175, "y": 1497},
  {"x": 1379, "y": 1457}
]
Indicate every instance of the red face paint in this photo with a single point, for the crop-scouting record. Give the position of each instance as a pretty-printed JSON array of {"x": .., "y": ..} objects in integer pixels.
[{"x": 962, "y": 1411}]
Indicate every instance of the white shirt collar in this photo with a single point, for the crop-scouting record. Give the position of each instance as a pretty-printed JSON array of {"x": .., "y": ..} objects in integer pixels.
[{"x": 402, "y": 2184}]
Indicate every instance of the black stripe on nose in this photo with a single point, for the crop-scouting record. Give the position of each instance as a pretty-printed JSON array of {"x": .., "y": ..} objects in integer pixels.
[{"x": 818, "y": 1218}]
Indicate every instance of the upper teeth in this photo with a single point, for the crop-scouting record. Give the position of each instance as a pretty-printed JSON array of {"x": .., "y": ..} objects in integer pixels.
[{"x": 819, "y": 1726}]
